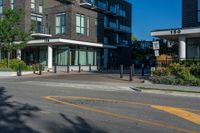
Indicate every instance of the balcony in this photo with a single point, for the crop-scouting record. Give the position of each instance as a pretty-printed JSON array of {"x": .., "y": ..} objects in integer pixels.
[{"x": 41, "y": 32}]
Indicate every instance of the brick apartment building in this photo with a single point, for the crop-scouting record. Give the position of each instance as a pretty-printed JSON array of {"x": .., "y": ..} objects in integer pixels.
[
  {"x": 73, "y": 32},
  {"x": 188, "y": 37}
]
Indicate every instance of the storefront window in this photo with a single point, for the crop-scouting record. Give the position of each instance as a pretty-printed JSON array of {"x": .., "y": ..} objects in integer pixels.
[
  {"x": 62, "y": 55},
  {"x": 73, "y": 56},
  {"x": 83, "y": 56},
  {"x": 43, "y": 55},
  {"x": 193, "y": 49}
]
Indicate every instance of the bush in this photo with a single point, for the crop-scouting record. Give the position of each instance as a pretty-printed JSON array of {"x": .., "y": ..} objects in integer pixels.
[
  {"x": 14, "y": 64},
  {"x": 36, "y": 67},
  {"x": 6, "y": 69},
  {"x": 178, "y": 74}
]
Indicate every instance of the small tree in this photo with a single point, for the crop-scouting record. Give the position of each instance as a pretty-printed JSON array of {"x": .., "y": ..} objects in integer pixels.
[{"x": 12, "y": 35}]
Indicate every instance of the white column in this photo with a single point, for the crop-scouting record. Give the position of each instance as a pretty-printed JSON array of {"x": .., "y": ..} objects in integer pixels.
[
  {"x": 105, "y": 56},
  {"x": 19, "y": 54},
  {"x": 182, "y": 47},
  {"x": 50, "y": 57}
]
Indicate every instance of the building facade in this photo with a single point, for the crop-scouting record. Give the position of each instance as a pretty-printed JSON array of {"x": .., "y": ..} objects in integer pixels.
[
  {"x": 187, "y": 37},
  {"x": 73, "y": 32}
]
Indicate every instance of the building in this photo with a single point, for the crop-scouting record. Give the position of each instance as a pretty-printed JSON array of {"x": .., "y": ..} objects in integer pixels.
[
  {"x": 188, "y": 37},
  {"x": 73, "y": 32}
]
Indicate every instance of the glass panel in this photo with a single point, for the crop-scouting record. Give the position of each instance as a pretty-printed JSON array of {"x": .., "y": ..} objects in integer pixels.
[
  {"x": 82, "y": 56},
  {"x": 91, "y": 56},
  {"x": 43, "y": 56},
  {"x": 62, "y": 55}
]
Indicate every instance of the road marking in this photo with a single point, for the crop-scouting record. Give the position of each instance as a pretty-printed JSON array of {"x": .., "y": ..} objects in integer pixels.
[
  {"x": 180, "y": 113},
  {"x": 133, "y": 119},
  {"x": 114, "y": 101}
]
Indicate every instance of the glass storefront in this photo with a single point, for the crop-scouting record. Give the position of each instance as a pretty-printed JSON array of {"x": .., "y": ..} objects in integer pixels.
[
  {"x": 193, "y": 48},
  {"x": 75, "y": 55},
  {"x": 62, "y": 55}
]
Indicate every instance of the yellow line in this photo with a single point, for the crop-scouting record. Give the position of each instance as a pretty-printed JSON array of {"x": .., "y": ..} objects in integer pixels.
[
  {"x": 180, "y": 113},
  {"x": 153, "y": 123},
  {"x": 114, "y": 101}
]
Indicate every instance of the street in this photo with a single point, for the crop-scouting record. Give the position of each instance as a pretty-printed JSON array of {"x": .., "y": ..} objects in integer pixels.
[{"x": 40, "y": 105}]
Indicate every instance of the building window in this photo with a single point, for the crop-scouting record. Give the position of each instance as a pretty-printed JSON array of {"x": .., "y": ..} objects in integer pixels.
[
  {"x": 37, "y": 21},
  {"x": 12, "y": 4},
  {"x": 40, "y": 9},
  {"x": 80, "y": 23},
  {"x": 33, "y": 5},
  {"x": 1, "y": 6},
  {"x": 61, "y": 23},
  {"x": 198, "y": 11},
  {"x": 88, "y": 26}
]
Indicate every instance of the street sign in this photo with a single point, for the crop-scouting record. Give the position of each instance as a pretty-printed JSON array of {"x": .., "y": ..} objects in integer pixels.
[
  {"x": 156, "y": 45},
  {"x": 156, "y": 52}
]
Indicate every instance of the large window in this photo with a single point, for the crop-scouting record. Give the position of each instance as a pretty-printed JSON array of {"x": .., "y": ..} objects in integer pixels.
[
  {"x": 88, "y": 26},
  {"x": 1, "y": 7},
  {"x": 198, "y": 11},
  {"x": 80, "y": 23},
  {"x": 33, "y": 5},
  {"x": 12, "y": 4},
  {"x": 61, "y": 23},
  {"x": 37, "y": 21}
]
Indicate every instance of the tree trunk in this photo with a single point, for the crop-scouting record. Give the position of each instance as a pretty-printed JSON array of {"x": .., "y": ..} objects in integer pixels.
[{"x": 8, "y": 59}]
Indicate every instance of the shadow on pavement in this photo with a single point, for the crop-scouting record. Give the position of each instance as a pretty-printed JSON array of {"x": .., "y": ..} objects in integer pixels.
[
  {"x": 12, "y": 115},
  {"x": 79, "y": 125}
]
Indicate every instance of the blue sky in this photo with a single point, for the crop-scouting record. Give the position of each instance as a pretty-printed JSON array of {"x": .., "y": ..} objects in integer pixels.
[{"x": 155, "y": 14}]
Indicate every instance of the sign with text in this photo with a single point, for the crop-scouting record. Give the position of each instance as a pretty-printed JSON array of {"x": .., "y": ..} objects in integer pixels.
[
  {"x": 156, "y": 45},
  {"x": 156, "y": 52}
]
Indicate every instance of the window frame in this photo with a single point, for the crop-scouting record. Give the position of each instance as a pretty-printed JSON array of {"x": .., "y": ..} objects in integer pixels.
[
  {"x": 61, "y": 25},
  {"x": 80, "y": 28}
]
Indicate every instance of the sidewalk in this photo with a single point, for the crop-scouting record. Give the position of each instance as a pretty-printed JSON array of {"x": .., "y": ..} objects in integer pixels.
[{"x": 106, "y": 81}]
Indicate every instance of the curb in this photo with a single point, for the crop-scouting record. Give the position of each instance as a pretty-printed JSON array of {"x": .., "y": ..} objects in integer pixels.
[{"x": 174, "y": 92}]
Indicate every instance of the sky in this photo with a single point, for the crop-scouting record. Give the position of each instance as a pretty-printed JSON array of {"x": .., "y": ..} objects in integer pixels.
[{"x": 150, "y": 15}]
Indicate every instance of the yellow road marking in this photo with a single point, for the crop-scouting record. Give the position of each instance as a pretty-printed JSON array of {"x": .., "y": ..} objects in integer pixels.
[
  {"x": 114, "y": 101},
  {"x": 180, "y": 113},
  {"x": 153, "y": 123}
]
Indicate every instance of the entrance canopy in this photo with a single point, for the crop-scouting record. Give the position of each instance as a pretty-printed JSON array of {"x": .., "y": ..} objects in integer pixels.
[
  {"x": 59, "y": 41},
  {"x": 174, "y": 34}
]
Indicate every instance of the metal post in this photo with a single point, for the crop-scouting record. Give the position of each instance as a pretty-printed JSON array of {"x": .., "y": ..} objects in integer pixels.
[
  {"x": 79, "y": 68},
  {"x": 142, "y": 69},
  {"x": 133, "y": 69},
  {"x": 131, "y": 74},
  {"x": 98, "y": 67},
  {"x": 40, "y": 69},
  {"x": 55, "y": 68},
  {"x": 121, "y": 71},
  {"x": 68, "y": 68},
  {"x": 90, "y": 67},
  {"x": 19, "y": 72}
]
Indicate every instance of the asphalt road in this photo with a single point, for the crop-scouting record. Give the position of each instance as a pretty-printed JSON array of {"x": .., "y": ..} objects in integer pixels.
[{"x": 30, "y": 105}]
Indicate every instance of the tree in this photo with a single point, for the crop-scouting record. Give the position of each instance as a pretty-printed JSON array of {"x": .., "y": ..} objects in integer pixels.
[
  {"x": 12, "y": 35},
  {"x": 133, "y": 37}
]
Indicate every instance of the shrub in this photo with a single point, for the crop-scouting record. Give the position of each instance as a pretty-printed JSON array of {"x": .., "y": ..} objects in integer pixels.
[
  {"x": 36, "y": 67},
  {"x": 14, "y": 64},
  {"x": 6, "y": 69},
  {"x": 178, "y": 74}
]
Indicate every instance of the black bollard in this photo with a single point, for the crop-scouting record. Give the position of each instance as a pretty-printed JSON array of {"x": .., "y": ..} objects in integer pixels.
[
  {"x": 98, "y": 67},
  {"x": 79, "y": 68},
  {"x": 142, "y": 69},
  {"x": 133, "y": 69},
  {"x": 121, "y": 71},
  {"x": 19, "y": 72},
  {"x": 68, "y": 68},
  {"x": 90, "y": 67},
  {"x": 131, "y": 74},
  {"x": 55, "y": 68},
  {"x": 40, "y": 69}
]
